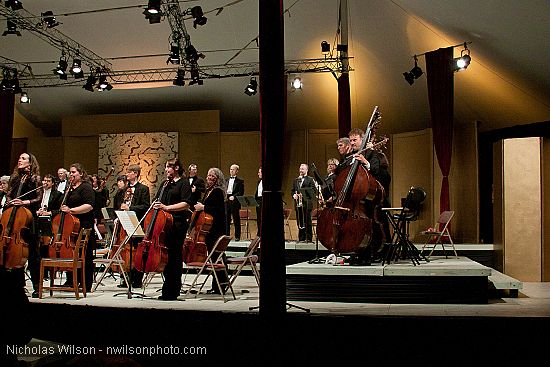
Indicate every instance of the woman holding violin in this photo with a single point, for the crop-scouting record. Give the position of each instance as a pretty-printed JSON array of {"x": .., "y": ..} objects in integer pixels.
[
  {"x": 80, "y": 203},
  {"x": 176, "y": 199},
  {"x": 19, "y": 217},
  {"x": 213, "y": 203}
]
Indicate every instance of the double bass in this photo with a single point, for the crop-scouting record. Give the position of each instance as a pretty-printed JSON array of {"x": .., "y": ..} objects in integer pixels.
[
  {"x": 348, "y": 225},
  {"x": 15, "y": 222},
  {"x": 65, "y": 227},
  {"x": 152, "y": 253},
  {"x": 194, "y": 245}
]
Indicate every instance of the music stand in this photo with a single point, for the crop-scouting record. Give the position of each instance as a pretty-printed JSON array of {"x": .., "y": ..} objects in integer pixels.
[{"x": 247, "y": 202}]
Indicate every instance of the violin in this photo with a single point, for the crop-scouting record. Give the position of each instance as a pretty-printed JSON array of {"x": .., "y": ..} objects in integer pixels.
[
  {"x": 15, "y": 222},
  {"x": 65, "y": 227},
  {"x": 194, "y": 245},
  {"x": 348, "y": 225},
  {"x": 152, "y": 253}
]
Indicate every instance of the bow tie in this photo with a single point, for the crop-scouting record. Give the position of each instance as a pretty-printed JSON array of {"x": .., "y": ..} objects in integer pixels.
[{"x": 232, "y": 177}]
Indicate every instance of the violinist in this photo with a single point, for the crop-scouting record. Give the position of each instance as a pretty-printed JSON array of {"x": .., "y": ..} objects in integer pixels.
[
  {"x": 27, "y": 175},
  {"x": 80, "y": 203},
  {"x": 304, "y": 206},
  {"x": 176, "y": 200},
  {"x": 122, "y": 185},
  {"x": 101, "y": 196},
  {"x": 51, "y": 202},
  {"x": 137, "y": 199},
  {"x": 213, "y": 203}
]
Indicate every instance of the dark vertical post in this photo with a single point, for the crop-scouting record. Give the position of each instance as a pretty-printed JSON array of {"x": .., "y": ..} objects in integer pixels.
[
  {"x": 7, "y": 101},
  {"x": 272, "y": 127}
]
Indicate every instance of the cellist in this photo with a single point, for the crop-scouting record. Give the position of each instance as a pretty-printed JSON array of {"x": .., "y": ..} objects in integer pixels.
[
  {"x": 28, "y": 168},
  {"x": 80, "y": 203},
  {"x": 176, "y": 200},
  {"x": 213, "y": 203}
]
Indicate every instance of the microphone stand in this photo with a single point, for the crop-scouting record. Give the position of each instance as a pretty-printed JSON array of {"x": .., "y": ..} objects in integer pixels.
[{"x": 129, "y": 292}]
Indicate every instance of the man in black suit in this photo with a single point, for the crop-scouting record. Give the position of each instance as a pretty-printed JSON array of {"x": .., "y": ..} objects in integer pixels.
[
  {"x": 303, "y": 205},
  {"x": 235, "y": 187},
  {"x": 49, "y": 207},
  {"x": 258, "y": 197},
  {"x": 198, "y": 185},
  {"x": 141, "y": 199}
]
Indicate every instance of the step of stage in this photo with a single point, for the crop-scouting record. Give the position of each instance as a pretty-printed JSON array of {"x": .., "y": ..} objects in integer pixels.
[{"x": 502, "y": 284}]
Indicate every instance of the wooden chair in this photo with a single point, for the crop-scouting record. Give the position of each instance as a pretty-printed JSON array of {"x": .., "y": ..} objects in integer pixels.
[
  {"x": 68, "y": 264},
  {"x": 248, "y": 259},
  {"x": 214, "y": 262},
  {"x": 286, "y": 213},
  {"x": 440, "y": 233},
  {"x": 244, "y": 214}
]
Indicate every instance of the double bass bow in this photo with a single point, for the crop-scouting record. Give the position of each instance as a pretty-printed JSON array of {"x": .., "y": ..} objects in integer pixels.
[
  {"x": 65, "y": 227},
  {"x": 15, "y": 221},
  {"x": 152, "y": 253},
  {"x": 348, "y": 225}
]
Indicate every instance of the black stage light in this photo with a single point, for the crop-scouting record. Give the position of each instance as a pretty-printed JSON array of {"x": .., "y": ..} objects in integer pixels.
[
  {"x": 180, "y": 78},
  {"x": 325, "y": 47},
  {"x": 409, "y": 77},
  {"x": 76, "y": 69},
  {"x": 462, "y": 62},
  {"x": 252, "y": 87},
  {"x": 24, "y": 98},
  {"x": 14, "y": 4},
  {"x": 61, "y": 69},
  {"x": 198, "y": 15},
  {"x": 174, "y": 57},
  {"x": 49, "y": 19},
  {"x": 152, "y": 12},
  {"x": 90, "y": 82},
  {"x": 195, "y": 77},
  {"x": 103, "y": 84},
  {"x": 12, "y": 29},
  {"x": 415, "y": 73}
]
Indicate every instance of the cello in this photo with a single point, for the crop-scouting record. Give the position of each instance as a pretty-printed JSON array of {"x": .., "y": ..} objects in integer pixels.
[
  {"x": 194, "y": 245},
  {"x": 152, "y": 253},
  {"x": 348, "y": 225},
  {"x": 15, "y": 222},
  {"x": 65, "y": 227}
]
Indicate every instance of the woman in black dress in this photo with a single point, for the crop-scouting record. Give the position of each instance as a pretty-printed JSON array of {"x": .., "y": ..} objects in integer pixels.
[{"x": 213, "y": 203}]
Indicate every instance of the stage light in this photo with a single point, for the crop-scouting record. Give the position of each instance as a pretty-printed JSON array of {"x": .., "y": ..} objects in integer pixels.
[
  {"x": 49, "y": 19},
  {"x": 195, "y": 77},
  {"x": 152, "y": 11},
  {"x": 415, "y": 73},
  {"x": 180, "y": 78},
  {"x": 192, "y": 55},
  {"x": 90, "y": 82},
  {"x": 174, "y": 57},
  {"x": 325, "y": 47},
  {"x": 76, "y": 69},
  {"x": 24, "y": 98},
  {"x": 252, "y": 87},
  {"x": 61, "y": 69},
  {"x": 462, "y": 62},
  {"x": 103, "y": 84},
  {"x": 11, "y": 29},
  {"x": 296, "y": 83},
  {"x": 198, "y": 15},
  {"x": 14, "y": 4},
  {"x": 10, "y": 82}
]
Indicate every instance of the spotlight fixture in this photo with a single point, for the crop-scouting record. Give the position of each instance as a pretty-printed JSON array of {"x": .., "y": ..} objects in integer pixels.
[
  {"x": 174, "y": 57},
  {"x": 152, "y": 12},
  {"x": 296, "y": 83},
  {"x": 24, "y": 98},
  {"x": 198, "y": 15},
  {"x": 462, "y": 62},
  {"x": 103, "y": 84},
  {"x": 61, "y": 69},
  {"x": 76, "y": 69},
  {"x": 192, "y": 55},
  {"x": 11, "y": 29},
  {"x": 252, "y": 87},
  {"x": 49, "y": 19},
  {"x": 325, "y": 47},
  {"x": 180, "y": 78},
  {"x": 10, "y": 82},
  {"x": 415, "y": 73},
  {"x": 14, "y": 4},
  {"x": 90, "y": 82},
  {"x": 195, "y": 77}
]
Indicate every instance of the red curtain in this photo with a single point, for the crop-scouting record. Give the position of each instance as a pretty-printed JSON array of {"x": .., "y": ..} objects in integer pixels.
[
  {"x": 439, "y": 73},
  {"x": 344, "y": 105},
  {"x": 7, "y": 101}
]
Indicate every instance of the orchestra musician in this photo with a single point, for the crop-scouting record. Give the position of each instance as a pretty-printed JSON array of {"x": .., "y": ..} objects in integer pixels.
[
  {"x": 303, "y": 205},
  {"x": 101, "y": 196},
  {"x": 328, "y": 191},
  {"x": 235, "y": 187},
  {"x": 198, "y": 186},
  {"x": 122, "y": 185},
  {"x": 80, "y": 202},
  {"x": 28, "y": 167},
  {"x": 258, "y": 197},
  {"x": 51, "y": 202},
  {"x": 213, "y": 203},
  {"x": 176, "y": 200},
  {"x": 4, "y": 185},
  {"x": 139, "y": 201},
  {"x": 61, "y": 181},
  {"x": 343, "y": 145}
]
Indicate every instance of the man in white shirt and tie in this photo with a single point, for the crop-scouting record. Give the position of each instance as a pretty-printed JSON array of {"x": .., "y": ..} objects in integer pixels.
[
  {"x": 62, "y": 179},
  {"x": 235, "y": 187},
  {"x": 303, "y": 205}
]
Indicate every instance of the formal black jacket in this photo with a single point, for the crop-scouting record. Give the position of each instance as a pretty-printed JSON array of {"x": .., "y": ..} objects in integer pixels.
[
  {"x": 308, "y": 182},
  {"x": 214, "y": 204},
  {"x": 141, "y": 199},
  {"x": 54, "y": 202},
  {"x": 238, "y": 190},
  {"x": 200, "y": 186}
]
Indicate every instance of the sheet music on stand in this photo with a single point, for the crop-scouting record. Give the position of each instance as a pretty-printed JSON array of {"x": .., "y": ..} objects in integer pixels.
[{"x": 130, "y": 224}]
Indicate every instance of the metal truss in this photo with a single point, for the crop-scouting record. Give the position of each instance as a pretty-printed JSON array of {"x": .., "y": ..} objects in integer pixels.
[
  {"x": 24, "y": 20},
  {"x": 332, "y": 65}
]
